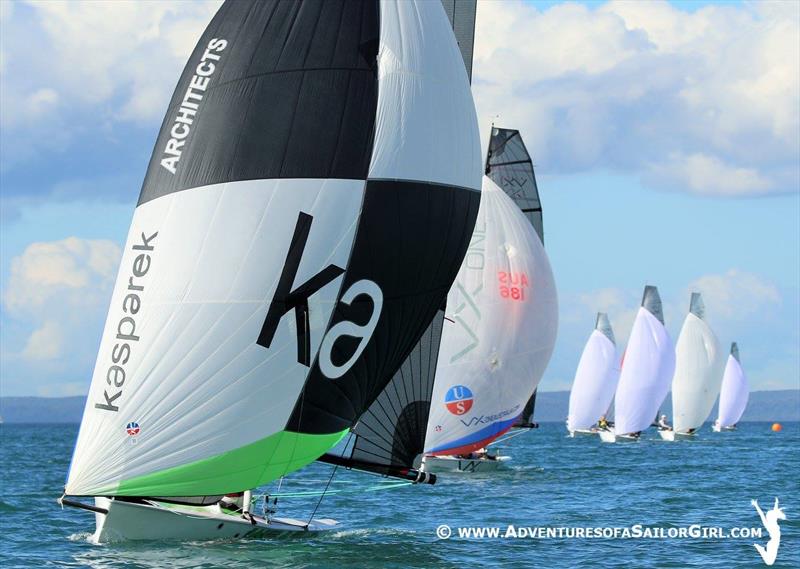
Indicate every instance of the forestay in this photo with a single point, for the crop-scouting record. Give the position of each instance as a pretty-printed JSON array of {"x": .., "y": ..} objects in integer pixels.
[
  {"x": 647, "y": 368},
  {"x": 296, "y": 211},
  {"x": 595, "y": 378},
  {"x": 735, "y": 391},
  {"x": 502, "y": 318},
  {"x": 698, "y": 370}
]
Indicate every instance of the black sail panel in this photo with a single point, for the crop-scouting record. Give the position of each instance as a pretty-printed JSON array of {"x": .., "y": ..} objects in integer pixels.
[
  {"x": 461, "y": 14},
  {"x": 266, "y": 78},
  {"x": 509, "y": 166}
]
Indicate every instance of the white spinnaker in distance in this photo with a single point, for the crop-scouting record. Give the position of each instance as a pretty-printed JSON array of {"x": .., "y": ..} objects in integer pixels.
[
  {"x": 698, "y": 372},
  {"x": 646, "y": 374},
  {"x": 502, "y": 319},
  {"x": 735, "y": 391},
  {"x": 595, "y": 378}
]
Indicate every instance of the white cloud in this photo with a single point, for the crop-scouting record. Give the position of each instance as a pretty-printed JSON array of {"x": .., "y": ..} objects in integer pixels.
[
  {"x": 735, "y": 295},
  {"x": 705, "y": 101},
  {"x": 44, "y": 343},
  {"x": 54, "y": 302},
  {"x": 72, "y": 270}
]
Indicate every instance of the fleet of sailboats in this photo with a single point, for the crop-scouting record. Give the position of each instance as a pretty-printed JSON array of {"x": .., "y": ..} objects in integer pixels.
[{"x": 317, "y": 270}]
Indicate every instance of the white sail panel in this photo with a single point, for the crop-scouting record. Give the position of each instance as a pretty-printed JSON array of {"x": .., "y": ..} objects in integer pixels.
[
  {"x": 499, "y": 332},
  {"x": 595, "y": 380},
  {"x": 424, "y": 97},
  {"x": 734, "y": 393},
  {"x": 698, "y": 374},
  {"x": 647, "y": 369},
  {"x": 178, "y": 357}
]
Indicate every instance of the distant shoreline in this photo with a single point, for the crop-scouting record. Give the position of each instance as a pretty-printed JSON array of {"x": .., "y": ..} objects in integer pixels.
[{"x": 781, "y": 405}]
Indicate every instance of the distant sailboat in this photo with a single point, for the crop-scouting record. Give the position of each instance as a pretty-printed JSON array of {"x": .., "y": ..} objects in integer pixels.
[
  {"x": 646, "y": 372},
  {"x": 595, "y": 379},
  {"x": 698, "y": 373},
  {"x": 502, "y": 318},
  {"x": 286, "y": 255},
  {"x": 509, "y": 165},
  {"x": 734, "y": 393}
]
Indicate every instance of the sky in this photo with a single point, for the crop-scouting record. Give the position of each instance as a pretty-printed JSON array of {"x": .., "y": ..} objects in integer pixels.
[{"x": 666, "y": 139}]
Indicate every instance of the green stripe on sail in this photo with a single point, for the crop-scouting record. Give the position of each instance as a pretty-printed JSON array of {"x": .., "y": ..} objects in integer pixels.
[{"x": 240, "y": 469}]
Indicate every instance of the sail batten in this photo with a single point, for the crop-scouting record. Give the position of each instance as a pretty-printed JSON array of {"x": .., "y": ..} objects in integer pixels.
[{"x": 289, "y": 221}]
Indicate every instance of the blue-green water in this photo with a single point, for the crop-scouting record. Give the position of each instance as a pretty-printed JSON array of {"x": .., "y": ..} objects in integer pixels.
[{"x": 554, "y": 481}]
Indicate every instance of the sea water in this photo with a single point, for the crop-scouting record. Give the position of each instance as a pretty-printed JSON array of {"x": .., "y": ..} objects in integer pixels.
[{"x": 553, "y": 482}]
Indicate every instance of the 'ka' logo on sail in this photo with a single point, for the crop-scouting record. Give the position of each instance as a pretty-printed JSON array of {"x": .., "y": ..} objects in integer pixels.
[{"x": 286, "y": 299}]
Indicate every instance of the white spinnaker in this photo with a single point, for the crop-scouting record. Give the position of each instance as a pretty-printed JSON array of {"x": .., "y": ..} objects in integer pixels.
[
  {"x": 595, "y": 382},
  {"x": 424, "y": 100},
  {"x": 698, "y": 374},
  {"x": 195, "y": 379},
  {"x": 734, "y": 394},
  {"x": 502, "y": 319},
  {"x": 645, "y": 376}
]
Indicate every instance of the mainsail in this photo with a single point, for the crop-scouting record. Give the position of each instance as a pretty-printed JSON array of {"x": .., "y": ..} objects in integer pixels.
[
  {"x": 502, "y": 318},
  {"x": 295, "y": 212},
  {"x": 595, "y": 379},
  {"x": 510, "y": 166},
  {"x": 647, "y": 370},
  {"x": 461, "y": 14},
  {"x": 698, "y": 370},
  {"x": 735, "y": 391}
]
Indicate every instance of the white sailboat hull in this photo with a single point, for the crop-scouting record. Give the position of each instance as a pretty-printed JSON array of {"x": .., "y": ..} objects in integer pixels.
[
  {"x": 718, "y": 429},
  {"x": 440, "y": 464},
  {"x": 611, "y": 437},
  {"x": 151, "y": 520},
  {"x": 674, "y": 435},
  {"x": 582, "y": 433}
]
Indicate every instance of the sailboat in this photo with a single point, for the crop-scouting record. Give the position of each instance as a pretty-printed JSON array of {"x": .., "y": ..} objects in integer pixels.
[
  {"x": 499, "y": 333},
  {"x": 509, "y": 165},
  {"x": 595, "y": 379},
  {"x": 734, "y": 393},
  {"x": 698, "y": 373},
  {"x": 646, "y": 372},
  {"x": 295, "y": 214}
]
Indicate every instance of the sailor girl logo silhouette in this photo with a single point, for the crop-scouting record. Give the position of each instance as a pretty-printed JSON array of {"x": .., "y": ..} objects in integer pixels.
[
  {"x": 770, "y": 522},
  {"x": 458, "y": 399}
]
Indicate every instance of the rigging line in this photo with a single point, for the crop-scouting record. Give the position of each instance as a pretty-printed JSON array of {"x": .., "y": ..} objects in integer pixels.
[
  {"x": 511, "y": 436},
  {"x": 322, "y": 496}
]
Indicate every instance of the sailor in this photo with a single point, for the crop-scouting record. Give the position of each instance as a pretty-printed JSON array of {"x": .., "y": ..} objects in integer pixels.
[
  {"x": 662, "y": 423},
  {"x": 602, "y": 424},
  {"x": 233, "y": 501}
]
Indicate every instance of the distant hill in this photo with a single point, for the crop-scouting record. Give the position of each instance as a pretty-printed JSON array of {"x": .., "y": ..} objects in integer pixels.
[{"x": 551, "y": 406}]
